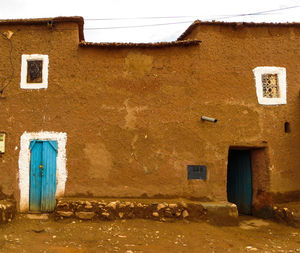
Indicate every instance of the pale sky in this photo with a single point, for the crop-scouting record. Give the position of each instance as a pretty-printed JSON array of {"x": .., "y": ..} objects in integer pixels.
[{"x": 127, "y": 12}]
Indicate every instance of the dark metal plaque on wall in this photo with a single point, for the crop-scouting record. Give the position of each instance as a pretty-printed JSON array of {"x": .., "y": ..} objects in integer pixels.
[
  {"x": 197, "y": 172},
  {"x": 34, "y": 71}
]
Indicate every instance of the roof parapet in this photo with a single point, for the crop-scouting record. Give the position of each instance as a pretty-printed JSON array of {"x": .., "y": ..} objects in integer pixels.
[
  {"x": 47, "y": 21},
  {"x": 182, "y": 43},
  {"x": 196, "y": 23}
]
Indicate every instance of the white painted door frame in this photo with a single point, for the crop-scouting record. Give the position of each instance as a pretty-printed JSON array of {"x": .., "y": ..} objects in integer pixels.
[{"x": 24, "y": 164}]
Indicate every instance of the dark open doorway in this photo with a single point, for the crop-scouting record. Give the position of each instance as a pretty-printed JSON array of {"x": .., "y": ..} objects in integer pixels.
[{"x": 239, "y": 180}]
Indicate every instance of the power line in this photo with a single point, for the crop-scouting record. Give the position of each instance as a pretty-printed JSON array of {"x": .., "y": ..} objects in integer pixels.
[
  {"x": 176, "y": 17},
  {"x": 109, "y": 19},
  {"x": 185, "y": 22},
  {"x": 180, "y": 22},
  {"x": 268, "y": 11},
  {"x": 136, "y": 26}
]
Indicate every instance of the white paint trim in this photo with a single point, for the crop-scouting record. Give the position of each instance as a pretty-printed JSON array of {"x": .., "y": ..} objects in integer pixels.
[
  {"x": 24, "y": 164},
  {"x": 44, "y": 83},
  {"x": 281, "y": 73}
]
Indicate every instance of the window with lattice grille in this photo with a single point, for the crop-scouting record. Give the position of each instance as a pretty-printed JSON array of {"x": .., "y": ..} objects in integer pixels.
[{"x": 270, "y": 85}]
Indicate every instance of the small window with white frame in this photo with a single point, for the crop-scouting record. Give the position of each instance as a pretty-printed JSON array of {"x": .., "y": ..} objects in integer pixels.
[
  {"x": 270, "y": 85},
  {"x": 34, "y": 71}
]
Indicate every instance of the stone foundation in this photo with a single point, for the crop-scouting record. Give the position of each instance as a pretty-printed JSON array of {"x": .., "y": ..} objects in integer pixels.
[
  {"x": 287, "y": 215},
  {"x": 143, "y": 209},
  {"x": 7, "y": 210}
]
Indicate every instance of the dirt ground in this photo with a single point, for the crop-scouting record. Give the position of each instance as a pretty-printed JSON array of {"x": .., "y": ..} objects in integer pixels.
[{"x": 128, "y": 236}]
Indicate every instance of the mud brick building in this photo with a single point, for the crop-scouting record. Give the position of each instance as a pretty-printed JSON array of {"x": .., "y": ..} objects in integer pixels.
[{"x": 126, "y": 119}]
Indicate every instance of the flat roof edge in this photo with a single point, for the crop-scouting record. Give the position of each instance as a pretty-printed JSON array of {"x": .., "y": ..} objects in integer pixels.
[
  {"x": 42, "y": 21},
  {"x": 182, "y": 43},
  {"x": 197, "y": 23}
]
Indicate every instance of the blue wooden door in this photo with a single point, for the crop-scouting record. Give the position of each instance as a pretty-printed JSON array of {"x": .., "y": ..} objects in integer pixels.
[
  {"x": 239, "y": 180},
  {"x": 42, "y": 175}
]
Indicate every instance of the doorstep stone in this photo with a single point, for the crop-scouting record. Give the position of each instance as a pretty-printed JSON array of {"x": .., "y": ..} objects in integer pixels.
[
  {"x": 38, "y": 216},
  {"x": 222, "y": 213}
]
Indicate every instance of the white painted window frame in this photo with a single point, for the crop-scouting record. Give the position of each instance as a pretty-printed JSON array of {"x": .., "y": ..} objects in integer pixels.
[
  {"x": 24, "y": 164},
  {"x": 34, "y": 57},
  {"x": 281, "y": 74}
]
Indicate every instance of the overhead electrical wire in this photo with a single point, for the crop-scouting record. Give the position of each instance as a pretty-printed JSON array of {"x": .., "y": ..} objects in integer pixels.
[
  {"x": 180, "y": 22},
  {"x": 137, "y": 26},
  {"x": 259, "y": 13},
  {"x": 128, "y": 18},
  {"x": 150, "y": 25},
  {"x": 170, "y": 17}
]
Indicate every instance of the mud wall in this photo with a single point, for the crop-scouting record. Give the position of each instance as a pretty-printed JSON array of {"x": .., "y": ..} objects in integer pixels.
[
  {"x": 237, "y": 50},
  {"x": 132, "y": 116}
]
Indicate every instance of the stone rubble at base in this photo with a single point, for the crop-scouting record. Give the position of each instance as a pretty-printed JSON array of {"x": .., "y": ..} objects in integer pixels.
[
  {"x": 7, "y": 210},
  {"x": 219, "y": 213},
  {"x": 147, "y": 209},
  {"x": 110, "y": 210}
]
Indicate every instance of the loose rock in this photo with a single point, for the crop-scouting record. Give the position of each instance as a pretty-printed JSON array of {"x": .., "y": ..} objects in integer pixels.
[
  {"x": 85, "y": 215},
  {"x": 160, "y": 206},
  {"x": 185, "y": 214},
  {"x": 112, "y": 205},
  {"x": 155, "y": 214},
  {"x": 178, "y": 214},
  {"x": 65, "y": 213},
  {"x": 105, "y": 214}
]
